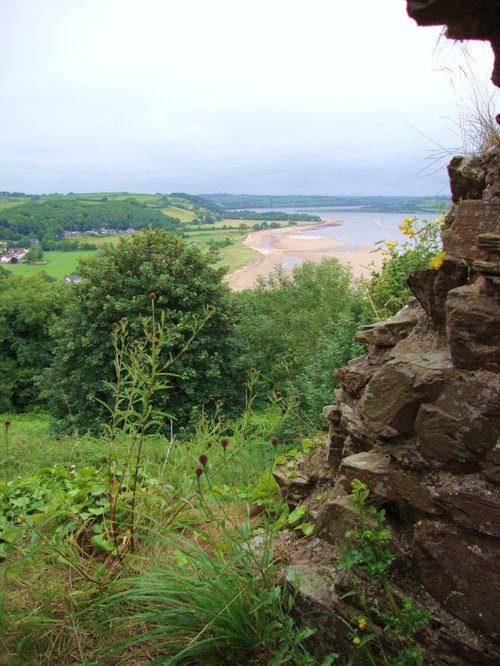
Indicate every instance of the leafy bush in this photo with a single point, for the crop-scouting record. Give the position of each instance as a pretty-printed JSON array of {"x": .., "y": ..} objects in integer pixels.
[
  {"x": 121, "y": 284},
  {"x": 387, "y": 287},
  {"x": 298, "y": 328},
  {"x": 28, "y": 308}
]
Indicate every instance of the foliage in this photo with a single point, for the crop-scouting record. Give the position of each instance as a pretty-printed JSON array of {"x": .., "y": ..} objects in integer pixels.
[
  {"x": 387, "y": 288},
  {"x": 57, "y": 503},
  {"x": 369, "y": 555},
  {"x": 47, "y": 219},
  {"x": 28, "y": 308},
  {"x": 298, "y": 328},
  {"x": 34, "y": 255},
  {"x": 119, "y": 284},
  {"x": 381, "y": 204},
  {"x": 275, "y": 216},
  {"x": 474, "y": 122},
  {"x": 126, "y": 605},
  {"x": 240, "y": 612}
]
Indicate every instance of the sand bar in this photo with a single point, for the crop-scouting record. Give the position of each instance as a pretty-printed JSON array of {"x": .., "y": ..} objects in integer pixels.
[{"x": 289, "y": 246}]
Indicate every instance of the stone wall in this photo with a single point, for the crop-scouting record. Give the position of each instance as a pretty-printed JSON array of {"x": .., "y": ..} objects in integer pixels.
[{"x": 418, "y": 420}]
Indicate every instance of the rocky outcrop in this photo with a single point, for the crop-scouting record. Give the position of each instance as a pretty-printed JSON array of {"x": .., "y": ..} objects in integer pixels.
[
  {"x": 417, "y": 419},
  {"x": 465, "y": 19}
]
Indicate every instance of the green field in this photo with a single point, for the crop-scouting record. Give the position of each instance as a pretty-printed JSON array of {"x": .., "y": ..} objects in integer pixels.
[
  {"x": 180, "y": 213},
  {"x": 59, "y": 264}
]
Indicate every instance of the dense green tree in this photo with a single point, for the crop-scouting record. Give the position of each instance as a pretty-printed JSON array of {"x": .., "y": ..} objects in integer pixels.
[
  {"x": 298, "y": 328},
  {"x": 118, "y": 284},
  {"x": 48, "y": 219},
  {"x": 34, "y": 255},
  {"x": 28, "y": 308}
]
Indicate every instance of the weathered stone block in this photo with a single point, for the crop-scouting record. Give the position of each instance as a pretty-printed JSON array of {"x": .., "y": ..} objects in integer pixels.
[
  {"x": 470, "y": 502},
  {"x": 431, "y": 287},
  {"x": 470, "y": 219},
  {"x": 386, "y": 333},
  {"x": 491, "y": 463},
  {"x": 317, "y": 591},
  {"x": 463, "y": 423},
  {"x": 335, "y": 518},
  {"x": 473, "y": 329},
  {"x": 395, "y": 393},
  {"x": 462, "y": 571},
  {"x": 467, "y": 178},
  {"x": 354, "y": 377},
  {"x": 385, "y": 481},
  {"x": 332, "y": 413},
  {"x": 353, "y": 425}
]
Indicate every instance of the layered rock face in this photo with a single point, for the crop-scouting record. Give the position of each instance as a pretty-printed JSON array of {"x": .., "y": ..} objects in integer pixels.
[{"x": 418, "y": 420}]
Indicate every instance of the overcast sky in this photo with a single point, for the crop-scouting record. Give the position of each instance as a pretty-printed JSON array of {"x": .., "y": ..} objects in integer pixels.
[{"x": 260, "y": 96}]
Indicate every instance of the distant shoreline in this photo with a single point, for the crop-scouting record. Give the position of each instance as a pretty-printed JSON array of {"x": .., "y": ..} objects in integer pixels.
[{"x": 288, "y": 246}]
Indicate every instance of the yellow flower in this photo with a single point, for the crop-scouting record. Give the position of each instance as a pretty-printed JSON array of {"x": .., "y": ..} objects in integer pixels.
[
  {"x": 362, "y": 623},
  {"x": 407, "y": 227},
  {"x": 437, "y": 261},
  {"x": 440, "y": 220},
  {"x": 391, "y": 244},
  {"x": 356, "y": 640}
]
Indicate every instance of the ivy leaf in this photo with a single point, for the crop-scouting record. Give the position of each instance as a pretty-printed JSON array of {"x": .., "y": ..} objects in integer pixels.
[
  {"x": 102, "y": 544},
  {"x": 297, "y": 514}
]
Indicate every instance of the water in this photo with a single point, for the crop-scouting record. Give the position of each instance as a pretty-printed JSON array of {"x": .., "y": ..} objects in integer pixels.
[{"x": 360, "y": 228}]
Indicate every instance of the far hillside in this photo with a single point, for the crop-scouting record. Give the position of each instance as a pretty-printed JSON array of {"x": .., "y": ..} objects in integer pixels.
[{"x": 375, "y": 204}]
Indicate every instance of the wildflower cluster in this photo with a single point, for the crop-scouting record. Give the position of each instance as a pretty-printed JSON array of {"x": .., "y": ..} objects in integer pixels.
[
  {"x": 388, "y": 291},
  {"x": 369, "y": 554}
]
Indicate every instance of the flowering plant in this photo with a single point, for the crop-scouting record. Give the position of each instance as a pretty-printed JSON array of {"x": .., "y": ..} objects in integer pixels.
[{"x": 387, "y": 288}]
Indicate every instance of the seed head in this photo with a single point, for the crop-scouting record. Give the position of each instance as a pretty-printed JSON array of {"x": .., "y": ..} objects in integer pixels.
[
  {"x": 165, "y": 329},
  {"x": 204, "y": 415},
  {"x": 114, "y": 326},
  {"x": 124, "y": 320},
  {"x": 157, "y": 335},
  {"x": 253, "y": 370},
  {"x": 7, "y": 423},
  {"x": 198, "y": 471},
  {"x": 296, "y": 398},
  {"x": 275, "y": 441},
  {"x": 284, "y": 491},
  {"x": 218, "y": 403},
  {"x": 210, "y": 308},
  {"x": 152, "y": 296},
  {"x": 279, "y": 394},
  {"x": 284, "y": 410},
  {"x": 203, "y": 459},
  {"x": 224, "y": 442}
]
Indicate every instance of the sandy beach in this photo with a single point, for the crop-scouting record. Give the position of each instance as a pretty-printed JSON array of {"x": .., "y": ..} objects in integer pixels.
[{"x": 289, "y": 246}]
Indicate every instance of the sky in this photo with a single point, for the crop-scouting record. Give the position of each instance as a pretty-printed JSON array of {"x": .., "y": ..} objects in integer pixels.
[{"x": 262, "y": 97}]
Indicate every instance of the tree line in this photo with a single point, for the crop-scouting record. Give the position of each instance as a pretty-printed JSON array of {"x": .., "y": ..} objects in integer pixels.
[
  {"x": 47, "y": 220},
  {"x": 295, "y": 328}
]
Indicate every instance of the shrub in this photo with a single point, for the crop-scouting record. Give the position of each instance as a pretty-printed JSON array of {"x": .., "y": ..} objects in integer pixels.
[
  {"x": 298, "y": 327},
  {"x": 121, "y": 284},
  {"x": 387, "y": 288}
]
